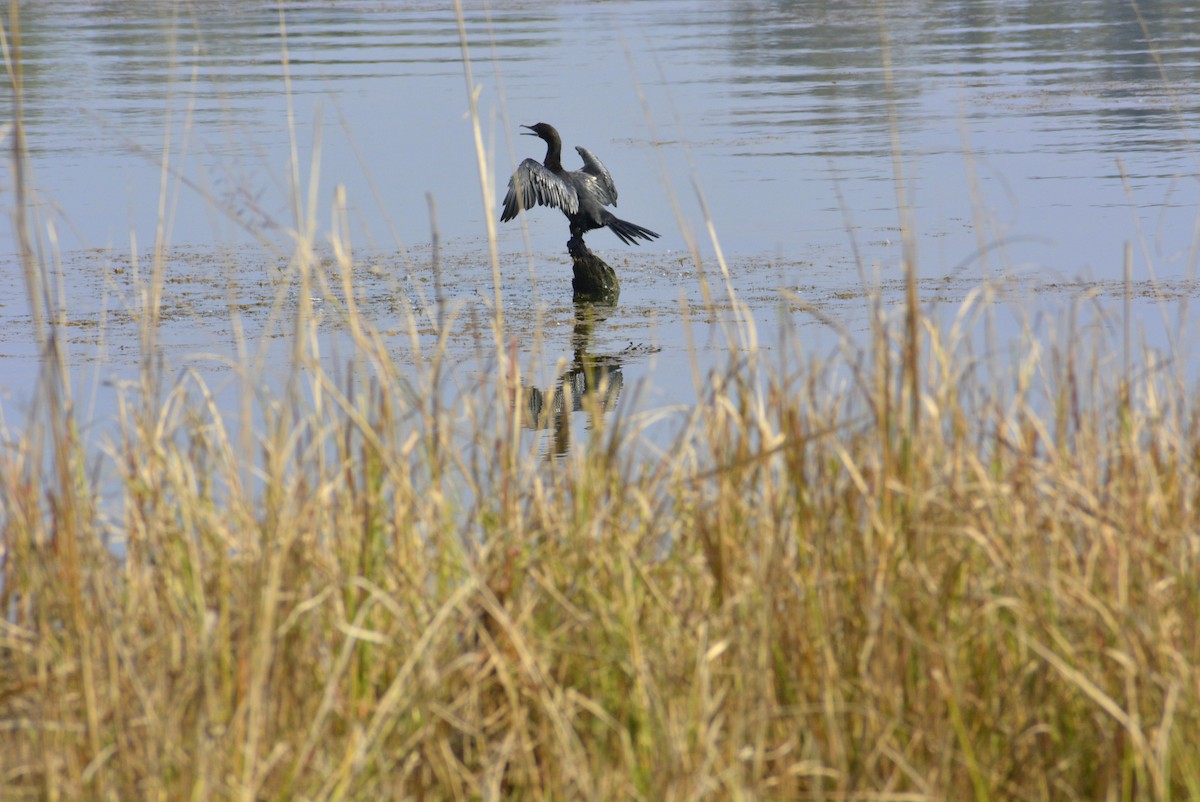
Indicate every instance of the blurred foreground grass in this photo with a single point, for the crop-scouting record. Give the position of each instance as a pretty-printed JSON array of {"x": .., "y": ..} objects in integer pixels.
[{"x": 824, "y": 588}]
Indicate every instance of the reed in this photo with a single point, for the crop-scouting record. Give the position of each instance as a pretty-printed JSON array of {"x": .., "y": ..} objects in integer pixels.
[{"x": 905, "y": 572}]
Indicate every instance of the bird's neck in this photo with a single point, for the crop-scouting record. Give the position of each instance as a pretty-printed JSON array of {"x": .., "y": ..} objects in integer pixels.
[{"x": 553, "y": 160}]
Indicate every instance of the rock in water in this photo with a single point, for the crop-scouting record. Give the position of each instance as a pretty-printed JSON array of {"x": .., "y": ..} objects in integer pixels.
[{"x": 594, "y": 280}]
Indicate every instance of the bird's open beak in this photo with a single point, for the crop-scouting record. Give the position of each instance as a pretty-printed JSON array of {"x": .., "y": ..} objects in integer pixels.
[{"x": 530, "y": 132}]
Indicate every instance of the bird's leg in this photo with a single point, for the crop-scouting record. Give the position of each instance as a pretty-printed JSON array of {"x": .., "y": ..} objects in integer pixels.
[{"x": 576, "y": 246}]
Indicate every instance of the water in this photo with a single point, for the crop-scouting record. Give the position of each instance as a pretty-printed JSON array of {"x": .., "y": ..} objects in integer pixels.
[{"x": 1035, "y": 138}]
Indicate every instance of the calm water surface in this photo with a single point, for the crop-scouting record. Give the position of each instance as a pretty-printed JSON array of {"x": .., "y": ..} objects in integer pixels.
[{"x": 1036, "y": 137}]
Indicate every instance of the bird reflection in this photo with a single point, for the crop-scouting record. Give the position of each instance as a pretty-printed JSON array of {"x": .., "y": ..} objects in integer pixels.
[{"x": 594, "y": 377}]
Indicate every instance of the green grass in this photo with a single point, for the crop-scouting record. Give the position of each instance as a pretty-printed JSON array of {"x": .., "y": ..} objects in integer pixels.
[{"x": 828, "y": 588}]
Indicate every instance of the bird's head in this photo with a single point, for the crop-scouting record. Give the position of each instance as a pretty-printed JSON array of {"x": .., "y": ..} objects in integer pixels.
[{"x": 542, "y": 130}]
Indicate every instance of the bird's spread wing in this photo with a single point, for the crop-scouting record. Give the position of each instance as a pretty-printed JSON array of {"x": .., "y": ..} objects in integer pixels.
[
  {"x": 594, "y": 167},
  {"x": 532, "y": 185}
]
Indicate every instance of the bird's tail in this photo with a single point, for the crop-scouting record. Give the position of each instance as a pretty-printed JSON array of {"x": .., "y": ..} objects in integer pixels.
[{"x": 629, "y": 232}]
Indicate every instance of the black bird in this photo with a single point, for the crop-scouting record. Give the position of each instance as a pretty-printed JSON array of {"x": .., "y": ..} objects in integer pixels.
[{"x": 581, "y": 194}]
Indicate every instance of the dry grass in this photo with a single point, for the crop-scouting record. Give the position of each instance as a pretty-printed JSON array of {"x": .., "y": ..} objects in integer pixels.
[{"x": 829, "y": 588}]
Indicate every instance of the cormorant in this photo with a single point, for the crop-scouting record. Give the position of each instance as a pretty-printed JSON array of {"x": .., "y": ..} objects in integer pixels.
[{"x": 581, "y": 194}]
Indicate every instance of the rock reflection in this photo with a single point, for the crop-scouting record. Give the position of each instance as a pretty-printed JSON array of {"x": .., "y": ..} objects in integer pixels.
[{"x": 592, "y": 384}]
